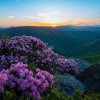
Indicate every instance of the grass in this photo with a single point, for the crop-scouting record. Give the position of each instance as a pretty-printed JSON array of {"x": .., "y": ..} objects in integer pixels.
[{"x": 92, "y": 59}]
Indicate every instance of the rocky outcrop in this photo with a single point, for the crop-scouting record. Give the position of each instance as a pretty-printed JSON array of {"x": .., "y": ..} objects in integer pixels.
[
  {"x": 91, "y": 77},
  {"x": 69, "y": 84},
  {"x": 82, "y": 64}
]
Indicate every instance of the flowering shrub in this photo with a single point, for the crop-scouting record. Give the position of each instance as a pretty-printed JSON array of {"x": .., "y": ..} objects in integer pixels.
[
  {"x": 24, "y": 82},
  {"x": 3, "y": 79},
  {"x": 29, "y": 49},
  {"x": 66, "y": 65}
]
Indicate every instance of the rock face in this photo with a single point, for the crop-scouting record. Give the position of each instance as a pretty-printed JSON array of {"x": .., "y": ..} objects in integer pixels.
[
  {"x": 91, "y": 77},
  {"x": 68, "y": 83},
  {"x": 82, "y": 64}
]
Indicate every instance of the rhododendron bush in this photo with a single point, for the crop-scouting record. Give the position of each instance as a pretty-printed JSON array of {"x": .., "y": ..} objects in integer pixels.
[
  {"x": 29, "y": 49},
  {"x": 24, "y": 82},
  {"x": 16, "y": 73}
]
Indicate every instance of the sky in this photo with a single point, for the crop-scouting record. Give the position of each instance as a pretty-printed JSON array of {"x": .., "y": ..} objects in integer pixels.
[{"x": 49, "y": 12}]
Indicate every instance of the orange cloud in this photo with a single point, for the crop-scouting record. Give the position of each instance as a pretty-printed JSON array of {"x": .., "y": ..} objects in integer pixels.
[
  {"x": 22, "y": 23},
  {"x": 86, "y": 22},
  {"x": 36, "y": 23}
]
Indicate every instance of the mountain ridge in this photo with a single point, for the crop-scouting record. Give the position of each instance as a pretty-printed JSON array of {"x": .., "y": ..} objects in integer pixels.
[{"x": 64, "y": 39}]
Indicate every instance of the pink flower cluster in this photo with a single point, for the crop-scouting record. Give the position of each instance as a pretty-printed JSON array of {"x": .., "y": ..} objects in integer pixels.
[
  {"x": 3, "y": 79},
  {"x": 29, "y": 49},
  {"x": 24, "y": 82}
]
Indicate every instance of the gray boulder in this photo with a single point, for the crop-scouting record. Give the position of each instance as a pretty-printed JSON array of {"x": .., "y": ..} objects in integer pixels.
[
  {"x": 91, "y": 77},
  {"x": 82, "y": 64},
  {"x": 69, "y": 84}
]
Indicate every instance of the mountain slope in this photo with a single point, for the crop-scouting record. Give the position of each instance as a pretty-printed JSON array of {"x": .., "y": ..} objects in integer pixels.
[
  {"x": 61, "y": 41},
  {"x": 92, "y": 48},
  {"x": 66, "y": 40}
]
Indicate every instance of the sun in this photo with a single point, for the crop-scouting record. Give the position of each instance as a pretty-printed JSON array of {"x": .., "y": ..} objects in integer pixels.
[{"x": 53, "y": 25}]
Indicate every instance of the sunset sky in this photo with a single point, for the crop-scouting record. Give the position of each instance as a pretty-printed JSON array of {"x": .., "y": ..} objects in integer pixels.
[{"x": 49, "y": 12}]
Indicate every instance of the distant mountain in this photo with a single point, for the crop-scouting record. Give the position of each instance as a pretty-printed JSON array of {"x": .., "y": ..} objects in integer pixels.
[
  {"x": 89, "y": 48},
  {"x": 66, "y": 28},
  {"x": 80, "y": 28},
  {"x": 66, "y": 40},
  {"x": 4, "y": 26}
]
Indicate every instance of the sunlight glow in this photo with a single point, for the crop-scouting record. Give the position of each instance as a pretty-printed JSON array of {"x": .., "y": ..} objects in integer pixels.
[
  {"x": 53, "y": 25},
  {"x": 49, "y": 12}
]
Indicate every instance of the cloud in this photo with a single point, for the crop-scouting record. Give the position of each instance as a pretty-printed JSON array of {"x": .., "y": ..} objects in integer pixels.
[
  {"x": 45, "y": 23},
  {"x": 53, "y": 17},
  {"x": 48, "y": 15},
  {"x": 56, "y": 18},
  {"x": 34, "y": 18},
  {"x": 86, "y": 22},
  {"x": 30, "y": 17},
  {"x": 11, "y": 16}
]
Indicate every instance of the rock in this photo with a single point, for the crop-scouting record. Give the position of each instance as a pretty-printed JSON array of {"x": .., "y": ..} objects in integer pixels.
[
  {"x": 68, "y": 83},
  {"x": 91, "y": 77},
  {"x": 82, "y": 64}
]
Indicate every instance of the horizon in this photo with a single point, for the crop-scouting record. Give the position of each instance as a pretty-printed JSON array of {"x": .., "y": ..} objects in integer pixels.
[
  {"x": 49, "y": 12},
  {"x": 96, "y": 25}
]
